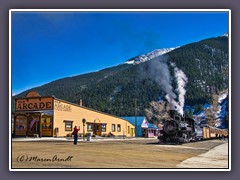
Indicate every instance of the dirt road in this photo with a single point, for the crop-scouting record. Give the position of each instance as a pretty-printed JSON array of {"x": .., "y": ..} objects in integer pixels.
[{"x": 145, "y": 153}]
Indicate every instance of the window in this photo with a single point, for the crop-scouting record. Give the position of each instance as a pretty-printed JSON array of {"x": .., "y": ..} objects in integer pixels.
[
  {"x": 89, "y": 127},
  {"x": 113, "y": 128},
  {"x": 68, "y": 125},
  {"x": 46, "y": 123},
  {"x": 21, "y": 125},
  {"x": 104, "y": 127},
  {"x": 119, "y": 127},
  {"x": 128, "y": 129}
]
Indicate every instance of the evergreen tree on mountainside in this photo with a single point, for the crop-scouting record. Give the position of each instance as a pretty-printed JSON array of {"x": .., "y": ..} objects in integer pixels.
[{"x": 114, "y": 89}]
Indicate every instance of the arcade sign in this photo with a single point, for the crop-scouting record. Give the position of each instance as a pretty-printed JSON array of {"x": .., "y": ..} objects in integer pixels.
[{"x": 32, "y": 104}]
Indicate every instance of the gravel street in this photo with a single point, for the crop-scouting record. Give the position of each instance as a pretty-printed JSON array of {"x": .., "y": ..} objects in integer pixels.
[{"x": 128, "y": 153}]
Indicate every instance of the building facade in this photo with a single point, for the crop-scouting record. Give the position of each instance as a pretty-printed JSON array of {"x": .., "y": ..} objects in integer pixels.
[
  {"x": 52, "y": 117},
  {"x": 142, "y": 126}
]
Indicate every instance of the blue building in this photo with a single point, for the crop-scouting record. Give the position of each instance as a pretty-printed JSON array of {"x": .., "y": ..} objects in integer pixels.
[{"x": 142, "y": 126}]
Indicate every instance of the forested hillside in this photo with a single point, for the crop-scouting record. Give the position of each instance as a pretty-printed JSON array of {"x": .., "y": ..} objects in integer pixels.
[{"x": 114, "y": 90}]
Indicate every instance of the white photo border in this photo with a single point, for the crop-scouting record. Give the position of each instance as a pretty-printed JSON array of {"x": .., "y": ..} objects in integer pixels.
[{"x": 116, "y": 10}]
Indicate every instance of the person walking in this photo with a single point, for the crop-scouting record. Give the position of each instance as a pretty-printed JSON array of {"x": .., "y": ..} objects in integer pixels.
[{"x": 75, "y": 133}]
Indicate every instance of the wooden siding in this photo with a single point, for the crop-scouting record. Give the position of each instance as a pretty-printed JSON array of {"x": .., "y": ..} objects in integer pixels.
[{"x": 64, "y": 111}]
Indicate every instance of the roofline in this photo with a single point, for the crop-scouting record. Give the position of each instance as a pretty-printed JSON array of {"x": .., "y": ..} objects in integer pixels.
[
  {"x": 92, "y": 109},
  {"x": 75, "y": 105},
  {"x": 130, "y": 123},
  {"x": 36, "y": 97},
  {"x": 132, "y": 116}
]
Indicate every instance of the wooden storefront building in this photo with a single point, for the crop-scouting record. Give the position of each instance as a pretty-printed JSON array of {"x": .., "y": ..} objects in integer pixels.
[{"x": 52, "y": 117}]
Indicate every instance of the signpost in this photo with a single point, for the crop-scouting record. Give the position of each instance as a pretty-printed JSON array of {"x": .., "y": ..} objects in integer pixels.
[{"x": 83, "y": 121}]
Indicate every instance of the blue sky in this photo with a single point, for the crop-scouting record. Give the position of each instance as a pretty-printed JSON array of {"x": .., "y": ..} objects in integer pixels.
[{"x": 51, "y": 45}]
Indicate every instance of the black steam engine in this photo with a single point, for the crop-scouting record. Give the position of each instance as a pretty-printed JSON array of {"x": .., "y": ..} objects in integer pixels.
[{"x": 178, "y": 129}]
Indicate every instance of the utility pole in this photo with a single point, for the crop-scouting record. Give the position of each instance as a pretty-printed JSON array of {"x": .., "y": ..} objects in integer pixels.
[{"x": 135, "y": 117}]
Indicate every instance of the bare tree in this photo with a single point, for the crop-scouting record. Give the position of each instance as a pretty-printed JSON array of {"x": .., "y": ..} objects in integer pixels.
[{"x": 157, "y": 112}]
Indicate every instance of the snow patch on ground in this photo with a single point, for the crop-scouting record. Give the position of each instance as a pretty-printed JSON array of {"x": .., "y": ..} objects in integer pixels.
[{"x": 215, "y": 158}]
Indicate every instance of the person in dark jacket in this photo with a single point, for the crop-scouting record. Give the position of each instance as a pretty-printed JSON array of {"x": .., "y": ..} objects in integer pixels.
[{"x": 75, "y": 133}]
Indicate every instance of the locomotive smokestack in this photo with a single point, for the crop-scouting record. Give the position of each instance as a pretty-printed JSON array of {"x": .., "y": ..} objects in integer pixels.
[{"x": 172, "y": 113}]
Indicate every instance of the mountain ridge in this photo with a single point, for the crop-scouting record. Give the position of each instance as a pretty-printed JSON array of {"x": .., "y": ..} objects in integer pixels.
[
  {"x": 149, "y": 56},
  {"x": 113, "y": 89}
]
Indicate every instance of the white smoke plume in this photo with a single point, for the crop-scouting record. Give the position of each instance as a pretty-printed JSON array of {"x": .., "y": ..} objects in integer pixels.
[
  {"x": 173, "y": 104},
  {"x": 181, "y": 83},
  {"x": 159, "y": 70}
]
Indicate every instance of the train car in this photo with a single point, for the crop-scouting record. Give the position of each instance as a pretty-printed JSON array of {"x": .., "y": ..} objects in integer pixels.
[
  {"x": 206, "y": 133},
  {"x": 210, "y": 132}
]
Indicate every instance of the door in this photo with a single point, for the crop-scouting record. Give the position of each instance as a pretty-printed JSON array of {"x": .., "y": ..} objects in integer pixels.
[
  {"x": 46, "y": 126},
  {"x": 33, "y": 126},
  {"x": 97, "y": 129},
  {"x": 132, "y": 131}
]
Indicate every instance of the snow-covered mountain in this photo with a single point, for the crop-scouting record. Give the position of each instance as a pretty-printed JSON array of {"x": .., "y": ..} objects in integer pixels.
[
  {"x": 155, "y": 53},
  {"x": 225, "y": 34},
  {"x": 205, "y": 64},
  {"x": 222, "y": 112},
  {"x": 219, "y": 116},
  {"x": 149, "y": 56}
]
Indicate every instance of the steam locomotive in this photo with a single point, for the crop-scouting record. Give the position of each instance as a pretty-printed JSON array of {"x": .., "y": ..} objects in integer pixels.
[{"x": 178, "y": 129}]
